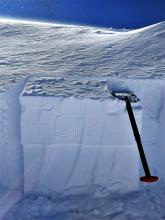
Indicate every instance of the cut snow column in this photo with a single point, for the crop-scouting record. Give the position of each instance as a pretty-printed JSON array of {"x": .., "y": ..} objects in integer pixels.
[
  {"x": 11, "y": 163},
  {"x": 76, "y": 138}
]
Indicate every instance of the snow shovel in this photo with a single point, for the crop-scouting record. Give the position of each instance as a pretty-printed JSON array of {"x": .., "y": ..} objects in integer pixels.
[{"x": 128, "y": 98}]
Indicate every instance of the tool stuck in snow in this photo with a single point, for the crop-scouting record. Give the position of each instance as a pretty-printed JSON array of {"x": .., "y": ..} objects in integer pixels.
[{"x": 129, "y": 98}]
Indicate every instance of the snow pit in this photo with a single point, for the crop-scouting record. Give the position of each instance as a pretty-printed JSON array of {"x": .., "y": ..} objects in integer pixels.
[
  {"x": 76, "y": 139},
  {"x": 113, "y": 54},
  {"x": 11, "y": 163}
]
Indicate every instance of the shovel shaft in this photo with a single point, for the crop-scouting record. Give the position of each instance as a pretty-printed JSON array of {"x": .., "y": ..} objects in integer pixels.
[{"x": 137, "y": 137}]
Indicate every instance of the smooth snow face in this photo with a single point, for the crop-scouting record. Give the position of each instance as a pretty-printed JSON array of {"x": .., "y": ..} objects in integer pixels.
[
  {"x": 72, "y": 145},
  {"x": 151, "y": 94},
  {"x": 11, "y": 156},
  {"x": 62, "y": 87},
  {"x": 79, "y": 51}
]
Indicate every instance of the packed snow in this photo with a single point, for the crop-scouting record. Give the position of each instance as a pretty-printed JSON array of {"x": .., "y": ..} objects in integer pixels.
[
  {"x": 67, "y": 149},
  {"x": 82, "y": 131}
]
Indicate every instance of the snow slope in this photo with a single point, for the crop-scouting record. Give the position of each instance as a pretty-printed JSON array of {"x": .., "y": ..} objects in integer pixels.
[
  {"x": 127, "y": 59},
  {"x": 79, "y": 51}
]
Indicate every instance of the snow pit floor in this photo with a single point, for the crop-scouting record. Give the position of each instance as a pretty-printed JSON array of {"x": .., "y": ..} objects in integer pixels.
[{"x": 148, "y": 203}]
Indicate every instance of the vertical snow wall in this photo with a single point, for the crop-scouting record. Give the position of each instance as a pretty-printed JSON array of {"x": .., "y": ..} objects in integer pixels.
[
  {"x": 152, "y": 96},
  {"x": 11, "y": 153}
]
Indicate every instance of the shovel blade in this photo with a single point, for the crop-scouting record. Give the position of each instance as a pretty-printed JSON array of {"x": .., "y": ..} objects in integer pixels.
[{"x": 149, "y": 179}]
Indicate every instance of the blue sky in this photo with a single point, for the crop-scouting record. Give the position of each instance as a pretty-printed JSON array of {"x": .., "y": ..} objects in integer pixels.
[{"x": 106, "y": 13}]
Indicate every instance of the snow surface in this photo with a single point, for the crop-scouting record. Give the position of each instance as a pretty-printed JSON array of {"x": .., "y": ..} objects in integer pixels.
[
  {"x": 79, "y": 51},
  {"x": 129, "y": 61},
  {"x": 148, "y": 203}
]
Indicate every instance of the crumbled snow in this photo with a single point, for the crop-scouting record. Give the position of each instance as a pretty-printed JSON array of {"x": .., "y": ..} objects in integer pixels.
[
  {"x": 148, "y": 203},
  {"x": 51, "y": 86}
]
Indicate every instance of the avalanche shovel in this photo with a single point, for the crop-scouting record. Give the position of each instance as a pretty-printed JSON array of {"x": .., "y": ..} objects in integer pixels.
[{"x": 128, "y": 98}]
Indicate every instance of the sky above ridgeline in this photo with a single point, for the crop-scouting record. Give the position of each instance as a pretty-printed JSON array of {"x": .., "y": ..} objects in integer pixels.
[{"x": 105, "y": 13}]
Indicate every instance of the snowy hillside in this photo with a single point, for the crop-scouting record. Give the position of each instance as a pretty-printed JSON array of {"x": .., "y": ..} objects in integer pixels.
[
  {"x": 80, "y": 51},
  {"x": 67, "y": 150}
]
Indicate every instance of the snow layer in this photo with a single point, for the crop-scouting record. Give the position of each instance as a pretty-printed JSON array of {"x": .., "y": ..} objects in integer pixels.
[
  {"x": 152, "y": 96},
  {"x": 83, "y": 133}
]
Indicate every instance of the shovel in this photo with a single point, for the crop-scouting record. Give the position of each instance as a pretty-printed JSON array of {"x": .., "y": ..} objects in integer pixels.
[{"x": 128, "y": 98}]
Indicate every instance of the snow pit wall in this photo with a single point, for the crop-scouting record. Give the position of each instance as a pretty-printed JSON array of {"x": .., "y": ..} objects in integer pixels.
[
  {"x": 77, "y": 146},
  {"x": 62, "y": 146},
  {"x": 152, "y": 96},
  {"x": 11, "y": 154}
]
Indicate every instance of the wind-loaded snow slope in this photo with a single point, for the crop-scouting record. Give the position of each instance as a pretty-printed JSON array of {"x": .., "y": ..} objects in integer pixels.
[
  {"x": 81, "y": 55},
  {"x": 80, "y": 51}
]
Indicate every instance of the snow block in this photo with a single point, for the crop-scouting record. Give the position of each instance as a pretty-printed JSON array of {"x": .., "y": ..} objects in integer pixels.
[
  {"x": 11, "y": 161},
  {"x": 76, "y": 142}
]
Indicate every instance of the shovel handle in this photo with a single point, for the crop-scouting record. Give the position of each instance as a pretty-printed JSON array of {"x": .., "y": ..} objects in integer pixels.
[{"x": 137, "y": 137}]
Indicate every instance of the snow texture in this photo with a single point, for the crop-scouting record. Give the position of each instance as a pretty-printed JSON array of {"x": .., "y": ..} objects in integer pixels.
[
  {"x": 74, "y": 151},
  {"x": 152, "y": 95},
  {"x": 11, "y": 170},
  {"x": 71, "y": 50},
  {"x": 142, "y": 205},
  {"x": 62, "y": 87},
  {"x": 83, "y": 133}
]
